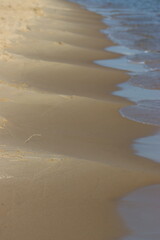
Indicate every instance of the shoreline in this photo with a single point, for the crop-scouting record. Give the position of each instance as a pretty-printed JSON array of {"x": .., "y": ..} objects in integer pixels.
[{"x": 65, "y": 158}]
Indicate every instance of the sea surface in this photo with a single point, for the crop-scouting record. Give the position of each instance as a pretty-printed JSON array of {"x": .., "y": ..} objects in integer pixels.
[{"x": 134, "y": 25}]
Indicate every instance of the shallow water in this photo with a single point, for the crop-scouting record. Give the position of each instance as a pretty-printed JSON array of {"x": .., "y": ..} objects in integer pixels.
[
  {"x": 148, "y": 147},
  {"x": 141, "y": 213}
]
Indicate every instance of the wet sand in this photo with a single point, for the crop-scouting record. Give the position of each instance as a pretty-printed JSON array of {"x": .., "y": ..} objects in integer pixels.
[{"x": 66, "y": 156}]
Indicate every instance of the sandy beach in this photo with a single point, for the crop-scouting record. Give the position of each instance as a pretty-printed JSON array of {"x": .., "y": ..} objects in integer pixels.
[{"x": 65, "y": 151}]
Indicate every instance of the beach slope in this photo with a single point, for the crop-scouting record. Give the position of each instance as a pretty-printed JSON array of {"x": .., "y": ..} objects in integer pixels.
[{"x": 65, "y": 154}]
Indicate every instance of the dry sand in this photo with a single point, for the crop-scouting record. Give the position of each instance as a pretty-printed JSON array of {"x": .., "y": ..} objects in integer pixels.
[
  {"x": 15, "y": 17},
  {"x": 65, "y": 151}
]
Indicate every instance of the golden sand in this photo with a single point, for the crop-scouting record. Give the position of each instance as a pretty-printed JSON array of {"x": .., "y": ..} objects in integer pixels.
[
  {"x": 65, "y": 151},
  {"x": 15, "y": 17}
]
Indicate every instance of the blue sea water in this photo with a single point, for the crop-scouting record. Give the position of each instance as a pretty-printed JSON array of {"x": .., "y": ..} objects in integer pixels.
[{"x": 134, "y": 25}]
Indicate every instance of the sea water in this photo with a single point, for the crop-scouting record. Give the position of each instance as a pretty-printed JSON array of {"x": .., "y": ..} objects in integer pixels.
[{"x": 134, "y": 25}]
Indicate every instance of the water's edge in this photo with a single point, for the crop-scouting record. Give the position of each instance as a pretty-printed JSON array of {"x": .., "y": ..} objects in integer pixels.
[
  {"x": 139, "y": 209},
  {"x": 140, "y": 61}
]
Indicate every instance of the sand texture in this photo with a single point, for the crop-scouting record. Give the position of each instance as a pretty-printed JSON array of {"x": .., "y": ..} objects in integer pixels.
[
  {"x": 65, "y": 151},
  {"x": 16, "y": 16}
]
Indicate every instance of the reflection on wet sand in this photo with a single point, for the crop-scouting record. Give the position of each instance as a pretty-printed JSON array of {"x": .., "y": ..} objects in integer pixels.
[{"x": 141, "y": 213}]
